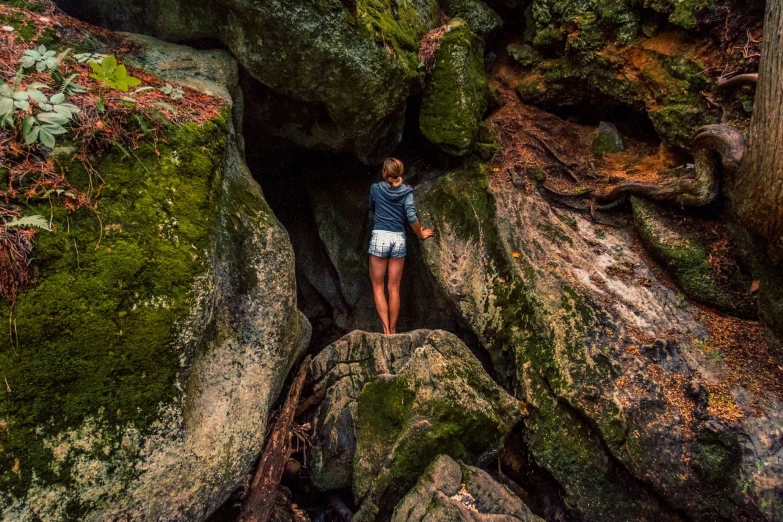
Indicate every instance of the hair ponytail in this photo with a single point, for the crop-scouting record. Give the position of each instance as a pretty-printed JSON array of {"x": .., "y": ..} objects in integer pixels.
[{"x": 392, "y": 172}]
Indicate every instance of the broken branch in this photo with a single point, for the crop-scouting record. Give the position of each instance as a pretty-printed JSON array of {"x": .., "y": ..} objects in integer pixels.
[{"x": 260, "y": 502}]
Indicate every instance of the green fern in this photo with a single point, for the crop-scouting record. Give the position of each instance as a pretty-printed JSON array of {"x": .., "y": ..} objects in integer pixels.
[{"x": 39, "y": 222}]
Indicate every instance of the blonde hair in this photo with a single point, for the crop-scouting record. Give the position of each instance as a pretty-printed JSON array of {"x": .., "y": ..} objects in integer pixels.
[{"x": 392, "y": 171}]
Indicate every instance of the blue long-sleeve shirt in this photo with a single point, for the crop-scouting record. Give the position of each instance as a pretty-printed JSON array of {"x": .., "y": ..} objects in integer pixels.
[{"x": 392, "y": 206}]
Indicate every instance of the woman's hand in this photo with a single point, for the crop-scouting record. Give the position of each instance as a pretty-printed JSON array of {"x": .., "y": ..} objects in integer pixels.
[{"x": 421, "y": 233}]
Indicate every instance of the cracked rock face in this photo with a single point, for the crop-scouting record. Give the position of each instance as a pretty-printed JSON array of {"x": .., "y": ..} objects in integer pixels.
[
  {"x": 630, "y": 426},
  {"x": 449, "y": 491},
  {"x": 392, "y": 404}
]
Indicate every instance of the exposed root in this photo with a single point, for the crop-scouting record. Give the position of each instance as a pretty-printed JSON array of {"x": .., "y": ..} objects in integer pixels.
[
  {"x": 740, "y": 79},
  {"x": 555, "y": 155},
  {"x": 698, "y": 189}
]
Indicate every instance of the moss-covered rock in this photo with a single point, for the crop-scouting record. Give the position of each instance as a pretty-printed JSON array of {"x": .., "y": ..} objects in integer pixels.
[
  {"x": 481, "y": 18},
  {"x": 155, "y": 318},
  {"x": 720, "y": 283},
  {"x": 357, "y": 63},
  {"x": 523, "y": 54},
  {"x": 558, "y": 306},
  {"x": 449, "y": 491},
  {"x": 455, "y": 97},
  {"x": 667, "y": 88},
  {"x": 583, "y": 24},
  {"x": 393, "y": 403},
  {"x": 607, "y": 140}
]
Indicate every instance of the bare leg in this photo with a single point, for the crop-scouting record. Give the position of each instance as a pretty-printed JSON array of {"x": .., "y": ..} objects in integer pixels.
[
  {"x": 395, "y": 277},
  {"x": 377, "y": 274}
]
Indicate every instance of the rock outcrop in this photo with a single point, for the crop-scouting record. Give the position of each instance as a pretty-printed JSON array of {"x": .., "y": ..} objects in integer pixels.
[
  {"x": 448, "y": 491},
  {"x": 629, "y": 412},
  {"x": 159, "y": 332},
  {"x": 392, "y": 404}
]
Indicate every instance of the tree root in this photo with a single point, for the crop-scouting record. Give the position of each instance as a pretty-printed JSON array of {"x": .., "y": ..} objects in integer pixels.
[
  {"x": 714, "y": 146},
  {"x": 740, "y": 79}
]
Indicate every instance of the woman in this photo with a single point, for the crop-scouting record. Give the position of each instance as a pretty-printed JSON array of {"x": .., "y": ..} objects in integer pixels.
[{"x": 393, "y": 203}]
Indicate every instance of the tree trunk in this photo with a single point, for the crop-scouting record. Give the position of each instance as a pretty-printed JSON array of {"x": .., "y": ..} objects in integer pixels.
[{"x": 757, "y": 190}]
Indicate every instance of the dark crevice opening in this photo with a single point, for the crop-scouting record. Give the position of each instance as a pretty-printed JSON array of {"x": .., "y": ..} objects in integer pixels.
[
  {"x": 320, "y": 197},
  {"x": 629, "y": 122}
]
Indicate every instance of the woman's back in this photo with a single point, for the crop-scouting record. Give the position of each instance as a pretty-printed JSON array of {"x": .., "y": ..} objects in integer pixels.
[{"x": 392, "y": 206}]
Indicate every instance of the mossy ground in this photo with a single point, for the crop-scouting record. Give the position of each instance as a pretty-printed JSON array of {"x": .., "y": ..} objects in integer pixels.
[{"x": 93, "y": 338}]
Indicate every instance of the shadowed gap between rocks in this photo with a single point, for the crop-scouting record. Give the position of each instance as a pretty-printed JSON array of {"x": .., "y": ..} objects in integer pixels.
[{"x": 321, "y": 199}]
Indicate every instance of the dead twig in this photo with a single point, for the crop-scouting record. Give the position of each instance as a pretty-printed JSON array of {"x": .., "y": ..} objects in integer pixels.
[
  {"x": 309, "y": 402},
  {"x": 557, "y": 157}
]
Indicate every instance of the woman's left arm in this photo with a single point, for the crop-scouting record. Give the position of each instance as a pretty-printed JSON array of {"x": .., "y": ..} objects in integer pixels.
[{"x": 413, "y": 219}]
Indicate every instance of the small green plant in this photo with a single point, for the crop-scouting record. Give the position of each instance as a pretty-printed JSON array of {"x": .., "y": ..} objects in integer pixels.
[
  {"x": 701, "y": 344},
  {"x": 89, "y": 57},
  {"x": 112, "y": 74},
  {"x": 10, "y": 101},
  {"x": 66, "y": 85},
  {"x": 715, "y": 355},
  {"x": 44, "y": 126},
  {"x": 42, "y": 59},
  {"x": 175, "y": 93},
  {"x": 28, "y": 222}
]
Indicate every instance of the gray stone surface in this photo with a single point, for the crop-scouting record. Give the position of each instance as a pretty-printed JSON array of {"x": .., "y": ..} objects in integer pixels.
[
  {"x": 392, "y": 404},
  {"x": 448, "y": 491}
]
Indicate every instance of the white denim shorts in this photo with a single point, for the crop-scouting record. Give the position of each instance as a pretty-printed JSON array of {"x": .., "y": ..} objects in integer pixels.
[{"x": 387, "y": 244}]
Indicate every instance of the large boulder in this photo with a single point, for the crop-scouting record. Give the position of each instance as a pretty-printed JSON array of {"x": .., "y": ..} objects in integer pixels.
[
  {"x": 392, "y": 404},
  {"x": 159, "y": 331},
  {"x": 449, "y": 491},
  {"x": 455, "y": 98},
  {"x": 633, "y": 408}
]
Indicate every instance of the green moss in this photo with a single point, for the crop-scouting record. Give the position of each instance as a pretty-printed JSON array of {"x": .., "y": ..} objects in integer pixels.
[
  {"x": 93, "y": 336},
  {"x": 403, "y": 424},
  {"x": 455, "y": 97},
  {"x": 566, "y": 446},
  {"x": 687, "y": 260},
  {"x": 487, "y": 144},
  {"x": 24, "y": 28},
  {"x": 400, "y": 29},
  {"x": 481, "y": 18},
  {"x": 524, "y": 55},
  {"x": 29, "y": 5}
]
